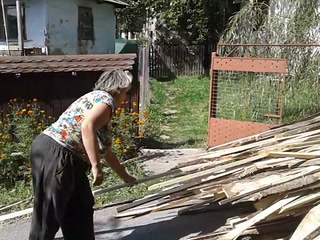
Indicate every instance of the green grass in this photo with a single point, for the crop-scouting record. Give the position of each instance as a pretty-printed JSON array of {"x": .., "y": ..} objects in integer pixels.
[{"x": 189, "y": 97}]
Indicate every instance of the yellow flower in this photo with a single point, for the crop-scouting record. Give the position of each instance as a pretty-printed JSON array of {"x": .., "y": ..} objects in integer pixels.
[
  {"x": 117, "y": 141},
  {"x": 43, "y": 115},
  {"x": 49, "y": 117},
  {"x": 7, "y": 115},
  {"x": 34, "y": 100},
  {"x": 42, "y": 111},
  {"x": 3, "y": 155},
  {"x": 140, "y": 134},
  {"x": 28, "y": 105},
  {"x": 134, "y": 104},
  {"x": 140, "y": 122},
  {"x": 29, "y": 168},
  {"x": 28, "y": 176},
  {"x": 1, "y": 134},
  {"x": 23, "y": 111},
  {"x": 39, "y": 127},
  {"x": 39, "y": 124},
  {"x": 30, "y": 112},
  {"x": 134, "y": 114},
  {"x": 3, "y": 137}
]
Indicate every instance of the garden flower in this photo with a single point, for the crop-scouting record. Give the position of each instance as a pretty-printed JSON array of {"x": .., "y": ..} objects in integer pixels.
[
  {"x": 117, "y": 141},
  {"x": 144, "y": 113},
  {"x": 140, "y": 134},
  {"x": 29, "y": 168},
  {"x": 39, "y": 124},
  {"x": 23, "y": 111},
  {"x": 28, "y": 105},
  {"x": 134, "y": 104},
  {"x": 17, "y": 114},
  {"x": 30, "y": 112},
  {"x": 140, "y": 122},
  {"x": 49, "y": 117},
  {"x": 15, "y": 100},
  {"x": 34, "y": 100},
  {"x": 134, "y": 114},
  {"x": 3, "y": 155},
  {"x": 120, "y": 150},
  {"x": 7, "y": 115},
  {"x": 42, "y": 111}
]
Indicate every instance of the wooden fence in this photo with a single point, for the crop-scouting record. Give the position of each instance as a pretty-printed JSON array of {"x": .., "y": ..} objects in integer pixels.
[{"x": 168, "y": 61}]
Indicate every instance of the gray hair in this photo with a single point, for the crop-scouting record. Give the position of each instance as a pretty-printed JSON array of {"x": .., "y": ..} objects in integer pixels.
[{"x": 114, "y": 81}]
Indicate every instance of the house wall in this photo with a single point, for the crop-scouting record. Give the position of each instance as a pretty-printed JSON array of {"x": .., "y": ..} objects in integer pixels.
[
  {"x": 62, "y": 18},
  {"x": 35, "y": 18}
]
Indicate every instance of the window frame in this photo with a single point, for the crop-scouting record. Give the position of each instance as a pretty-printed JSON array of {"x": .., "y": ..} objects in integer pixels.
[
  {"x": 24, "y": 32},
  {"x": 83, "y": 32}
]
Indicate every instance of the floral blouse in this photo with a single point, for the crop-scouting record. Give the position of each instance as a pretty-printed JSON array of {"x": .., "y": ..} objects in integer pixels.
[{"x": 67, "y": 129}]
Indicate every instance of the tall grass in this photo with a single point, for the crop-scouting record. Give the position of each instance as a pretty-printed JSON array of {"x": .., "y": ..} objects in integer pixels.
[{"x": 283, "y": 22}]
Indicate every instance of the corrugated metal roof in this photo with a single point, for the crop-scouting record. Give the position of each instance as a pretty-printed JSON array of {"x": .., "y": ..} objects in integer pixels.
[
  {"x": 117, "y": 3},
  {"x": 29, "y": 64}
]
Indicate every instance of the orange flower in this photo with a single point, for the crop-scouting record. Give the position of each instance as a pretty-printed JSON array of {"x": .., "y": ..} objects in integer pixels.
[
  {"x": 117, "y": 112},
  {"x": 3, "y": 155},
  {"x": 134, "y": 114},
  {"x": 126, "y": 102},
  {"x": 30, "y": 112},
  {"x": 140, "y": 122},
  {"x": 134, "y": 104},
  {"x": 117, "y": 141},
  {"x": 144, "y": 113},
  {"x": 120, "y": 150},
  {"x": 17, "y": 114},
  {"x": 140, "y": 134},
  {"x": 28, "y": 105},
  {"x": 15, "y": 100},
  {"x": 34, "y": 100}
]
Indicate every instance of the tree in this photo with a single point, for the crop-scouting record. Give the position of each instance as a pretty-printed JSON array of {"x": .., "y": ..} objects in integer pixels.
[{"x": 179, "y": 21}]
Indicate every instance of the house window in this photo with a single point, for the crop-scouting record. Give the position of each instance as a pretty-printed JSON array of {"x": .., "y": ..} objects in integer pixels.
[
  {"x": 85, "y": 24},
  {"x": 12, "y": 24}
]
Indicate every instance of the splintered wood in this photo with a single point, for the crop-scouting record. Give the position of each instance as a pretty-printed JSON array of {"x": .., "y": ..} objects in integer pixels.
[{"x": 277, "y": 172}]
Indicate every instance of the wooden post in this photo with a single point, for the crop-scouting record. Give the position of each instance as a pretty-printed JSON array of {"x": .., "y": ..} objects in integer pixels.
[
  {"x": 19, "y": 24},
  {"x": 5, "y": 26}
]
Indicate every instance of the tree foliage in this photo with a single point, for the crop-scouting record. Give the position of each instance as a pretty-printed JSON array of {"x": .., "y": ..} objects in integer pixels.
[{"x": 179, "y": 21}]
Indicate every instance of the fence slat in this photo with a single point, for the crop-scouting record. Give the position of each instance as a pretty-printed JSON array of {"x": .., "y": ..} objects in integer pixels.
[{"x": 178, "y": 60}]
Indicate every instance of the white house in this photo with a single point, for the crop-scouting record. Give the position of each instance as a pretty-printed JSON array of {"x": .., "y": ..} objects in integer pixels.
[{"x": 62, "y": 26}]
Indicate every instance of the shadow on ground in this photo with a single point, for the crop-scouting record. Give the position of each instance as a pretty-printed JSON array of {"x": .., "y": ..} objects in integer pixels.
[
  {"x": 174, "y": 229},
  {"x": 155, "y": 144}
]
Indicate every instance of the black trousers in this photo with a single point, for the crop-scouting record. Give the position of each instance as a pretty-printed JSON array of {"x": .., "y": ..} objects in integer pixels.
[{"x": 62, "y": 194}]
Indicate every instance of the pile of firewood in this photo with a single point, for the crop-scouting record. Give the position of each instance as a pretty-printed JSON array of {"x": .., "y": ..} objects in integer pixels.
[{"x": 277, "y": 172}]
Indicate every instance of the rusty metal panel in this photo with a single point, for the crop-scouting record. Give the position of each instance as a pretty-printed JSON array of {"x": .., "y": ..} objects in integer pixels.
[
  {"x": 246, "y": 97},
  {"x": 79, "y": 63},
  {"x": 249, "y": 64},
  {"x": 224, "y": 130}
]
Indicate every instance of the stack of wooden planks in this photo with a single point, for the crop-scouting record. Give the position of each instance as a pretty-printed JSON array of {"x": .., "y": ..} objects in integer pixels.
[{"x": 277, "y": 172}]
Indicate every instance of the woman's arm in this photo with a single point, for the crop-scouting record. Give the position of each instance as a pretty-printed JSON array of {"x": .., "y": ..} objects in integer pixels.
[
  {"x": 97, "y": 118},
  {"x": 116, "y": 166}
]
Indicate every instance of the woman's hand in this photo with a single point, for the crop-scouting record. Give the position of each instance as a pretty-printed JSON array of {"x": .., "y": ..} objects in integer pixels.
[{"x": 97, "y": 175}]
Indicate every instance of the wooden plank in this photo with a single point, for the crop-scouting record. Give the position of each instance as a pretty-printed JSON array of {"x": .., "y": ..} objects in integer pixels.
[
  {"x": 142, "y": 180},
  {"x": 16, "y": 214},
  {"x": 262, "y": 215},
  {"x": 301, "y": 201},
  {"x": 205, "y": 172},
  {"x": 174, "y": 190},
  {"x": 293, "y": 154},
  {"x": 301, "y": 174},
  {"x": 309, "y": 224}
]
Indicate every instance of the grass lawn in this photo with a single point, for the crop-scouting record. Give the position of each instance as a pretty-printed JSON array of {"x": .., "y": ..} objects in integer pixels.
[{"x": 180, "y": 108}]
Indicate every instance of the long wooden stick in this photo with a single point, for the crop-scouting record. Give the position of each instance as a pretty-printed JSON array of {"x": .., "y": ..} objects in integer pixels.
[{"x": 142, "y": 180}]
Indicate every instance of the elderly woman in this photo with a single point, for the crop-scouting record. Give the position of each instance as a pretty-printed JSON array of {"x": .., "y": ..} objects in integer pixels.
[{"x": 63, "y": 153}]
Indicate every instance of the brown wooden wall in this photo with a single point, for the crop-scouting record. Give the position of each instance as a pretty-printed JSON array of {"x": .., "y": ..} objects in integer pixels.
[{"x": 55, "y": 90}]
